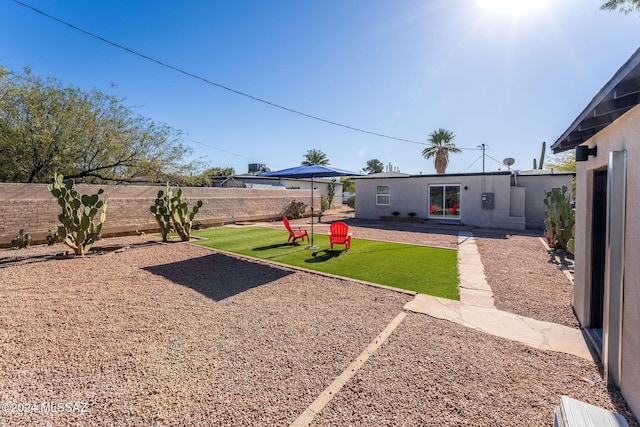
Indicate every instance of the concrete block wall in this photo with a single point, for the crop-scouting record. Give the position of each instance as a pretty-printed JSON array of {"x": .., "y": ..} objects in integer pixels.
[{"x": 32, "y": 207}]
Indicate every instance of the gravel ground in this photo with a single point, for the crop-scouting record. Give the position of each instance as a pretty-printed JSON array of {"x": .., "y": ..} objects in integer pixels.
[
  {"x": 524, "y": 280},
  {"x": 180, "y": 335},
  {"x": 176, "y": 335},
  {"x": 436, "y": 373}
]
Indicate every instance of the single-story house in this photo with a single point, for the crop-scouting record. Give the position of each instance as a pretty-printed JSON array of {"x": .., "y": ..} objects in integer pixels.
[
  {"x": 511, "y": 200},
  {"x": 606, "y": 139},
  {"x": 321, "y": 185}
]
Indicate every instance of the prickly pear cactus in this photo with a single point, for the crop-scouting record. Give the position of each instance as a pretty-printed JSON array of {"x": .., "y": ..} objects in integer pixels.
[
  {"x": 22, "y": 240},
  {"x": 161, "y": 210},
  {"x": 571, "y": 244},
  {"x": 79, "y": 229},
  {"x": 172, "y": 212},
  {"x": 559, "y": 218}
]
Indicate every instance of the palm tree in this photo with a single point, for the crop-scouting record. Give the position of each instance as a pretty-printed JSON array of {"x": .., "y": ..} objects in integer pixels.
[
  {"x": 315, "y": 157},
  {"x": 441, "y": 145}
]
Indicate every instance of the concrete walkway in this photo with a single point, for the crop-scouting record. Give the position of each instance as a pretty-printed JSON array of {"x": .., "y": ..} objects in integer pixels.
[{"x": 476, "y": 310}]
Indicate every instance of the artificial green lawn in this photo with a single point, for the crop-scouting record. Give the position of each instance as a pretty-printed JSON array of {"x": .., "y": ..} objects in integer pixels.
[{"x": 422, "y": 269}]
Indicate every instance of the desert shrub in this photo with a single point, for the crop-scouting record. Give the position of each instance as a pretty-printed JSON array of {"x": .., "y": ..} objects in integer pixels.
[
  {"x": 395, "y": 213},
  {"x": 411, "y": 214},
  {"x": 22, "y": 240},
  {"x": 351, "y": 202},
  {"x": 53, "y": 237},
  {"x": 324, "y": 203},
  {"x": 295, "y": 210}
]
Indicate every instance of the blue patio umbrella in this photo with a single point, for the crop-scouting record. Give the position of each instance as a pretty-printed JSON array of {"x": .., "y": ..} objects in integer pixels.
[{"x": 310, "y": 171}]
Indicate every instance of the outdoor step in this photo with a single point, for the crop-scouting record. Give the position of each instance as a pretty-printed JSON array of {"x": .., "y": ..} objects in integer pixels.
[{"x": 574, "y": 413}]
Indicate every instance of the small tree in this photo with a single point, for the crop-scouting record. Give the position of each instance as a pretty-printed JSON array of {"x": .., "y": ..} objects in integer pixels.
[
  {"x": 331, "y": 191},
  {"x": 373, "y": 166},
  {"x": 564, "y": 162},
  {"x": 348, "y": 185},
  {"x": 624, "y": 6}
]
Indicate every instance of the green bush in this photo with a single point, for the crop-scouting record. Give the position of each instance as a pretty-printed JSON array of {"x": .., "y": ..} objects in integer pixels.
[
  {"x": 351, "y": 202},
  {"x": 324, "y": 203}
]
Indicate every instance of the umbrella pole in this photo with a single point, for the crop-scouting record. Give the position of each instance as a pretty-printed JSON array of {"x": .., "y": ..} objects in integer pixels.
[{"x": 312, "y": 209}]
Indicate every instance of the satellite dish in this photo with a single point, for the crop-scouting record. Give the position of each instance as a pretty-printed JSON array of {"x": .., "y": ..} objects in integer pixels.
[{"x": 508, "y": 162}]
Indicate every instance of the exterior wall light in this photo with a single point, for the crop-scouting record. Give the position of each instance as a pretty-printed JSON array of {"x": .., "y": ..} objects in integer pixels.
[{"x": 583, "y": 152}]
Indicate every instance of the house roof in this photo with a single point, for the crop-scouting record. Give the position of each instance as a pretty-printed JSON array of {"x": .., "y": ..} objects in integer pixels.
[
  {"x": 535, "y": 172},
  {"x": 618, "y": 96},
  {"x": 540, "y": 172},
  {"x": 383, "y": 175},
  {"x": 404, "y": 175}
]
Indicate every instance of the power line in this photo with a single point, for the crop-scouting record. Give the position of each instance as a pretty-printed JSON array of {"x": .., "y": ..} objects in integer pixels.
[
  {"x": 207, "y": 81},
  {"x": 474, "y": 162},
  {"x": 497, "y": 161},
  {"x": 220, "y": 149},
  {"x": 229, "y": 152}
]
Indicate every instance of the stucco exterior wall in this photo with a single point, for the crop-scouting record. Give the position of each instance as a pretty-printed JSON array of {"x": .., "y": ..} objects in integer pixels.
[
  {"x": 537, "y": 186},
  {"x": 518, "y": 198},
  {"x": 320, "y": 184},
  {"x": 581, "y": 288},
  {"x": 411, "y": 194},
  {"x": 32, "y": 207},
  {"x": 623, "y": 134}
]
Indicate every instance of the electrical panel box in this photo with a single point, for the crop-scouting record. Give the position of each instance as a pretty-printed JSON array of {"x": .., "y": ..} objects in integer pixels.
[{"x": 487, "y": 200}]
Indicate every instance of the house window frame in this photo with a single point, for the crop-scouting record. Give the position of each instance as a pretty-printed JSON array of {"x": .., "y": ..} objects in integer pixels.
[
  {"x": 442, "y": 213},
  {"x": 382, "y": 194}
]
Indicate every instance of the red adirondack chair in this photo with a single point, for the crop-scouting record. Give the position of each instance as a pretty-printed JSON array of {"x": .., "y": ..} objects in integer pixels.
[
  {"x": 296, "y": 233},
  {"x": 454, "y": 209},
  {"x": 340, "y": 235}
]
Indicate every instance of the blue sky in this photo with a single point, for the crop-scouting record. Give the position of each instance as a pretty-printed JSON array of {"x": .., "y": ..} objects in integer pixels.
[{"x": 509, "y": 77}]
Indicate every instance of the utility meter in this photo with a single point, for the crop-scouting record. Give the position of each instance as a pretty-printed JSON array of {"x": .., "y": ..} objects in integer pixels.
[{"x": 487, "y": 200}]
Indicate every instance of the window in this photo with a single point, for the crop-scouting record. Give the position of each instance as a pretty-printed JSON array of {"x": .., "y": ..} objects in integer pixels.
[
  {"x": 382, "y": 195},
  {"x": 444, "y": 201}
]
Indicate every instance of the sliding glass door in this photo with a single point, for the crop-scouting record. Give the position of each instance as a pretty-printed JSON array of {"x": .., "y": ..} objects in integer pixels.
[{"x": 444, "y": 201}]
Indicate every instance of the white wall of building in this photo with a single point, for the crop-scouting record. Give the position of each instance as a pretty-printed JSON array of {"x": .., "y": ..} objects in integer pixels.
[{"x": 623, "y": 134}]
